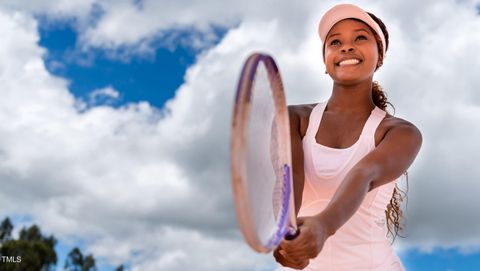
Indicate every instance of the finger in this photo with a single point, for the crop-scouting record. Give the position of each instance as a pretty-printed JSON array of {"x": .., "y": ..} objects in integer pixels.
[
  {"x": 281, "y": 256},
  {"x": 303, "y": 264},
  {"x": 297, "y": 265},
  {"x": 301, "y": 249},
  {"x": 300, "y": 265},
  {"x": 284, "y": 259},
  {"x": 290, "y": 245},
  {"x": 277, "y": 255}
]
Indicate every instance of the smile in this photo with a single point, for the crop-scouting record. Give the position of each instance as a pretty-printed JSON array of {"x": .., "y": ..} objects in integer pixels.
[{"x": 346, "y": 62}]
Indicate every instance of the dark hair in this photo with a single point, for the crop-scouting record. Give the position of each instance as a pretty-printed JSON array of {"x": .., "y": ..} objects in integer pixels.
[{"x": 393, "y": 213}]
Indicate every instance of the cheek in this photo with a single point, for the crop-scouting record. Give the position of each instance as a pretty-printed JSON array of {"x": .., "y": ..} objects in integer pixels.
[
  {"x": 375, "y": 53},
  {"x": 328, "y": 57},
  {"x": 372, "y": 55}
]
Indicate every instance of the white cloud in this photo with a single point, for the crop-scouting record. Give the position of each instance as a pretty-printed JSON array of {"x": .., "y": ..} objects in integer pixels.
[
  {"x": 431, "y": 76},
  {"x": 104, "y": 95},
  {"x": 182, "y": 249},
  {"x": 153, "y": 186},
  {"x": 58, "y": 9}
]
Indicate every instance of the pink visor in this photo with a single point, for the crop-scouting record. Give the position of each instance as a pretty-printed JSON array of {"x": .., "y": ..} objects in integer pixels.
[{"x": 347, "y": 11}]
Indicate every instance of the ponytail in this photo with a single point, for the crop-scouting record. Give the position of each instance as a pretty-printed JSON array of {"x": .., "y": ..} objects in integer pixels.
[{"x": 393, "y": 213}]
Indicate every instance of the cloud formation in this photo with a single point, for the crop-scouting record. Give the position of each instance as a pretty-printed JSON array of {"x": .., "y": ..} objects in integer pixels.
[{"x": 152, "y": 185}]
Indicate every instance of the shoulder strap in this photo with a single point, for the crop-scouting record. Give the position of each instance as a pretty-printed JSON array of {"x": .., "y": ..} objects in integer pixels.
[
  {"x": 373, "y": 121},
  {"x": 315, "y": 118}
]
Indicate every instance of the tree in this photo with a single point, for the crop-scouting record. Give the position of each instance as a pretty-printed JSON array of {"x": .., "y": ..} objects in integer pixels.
[
  {"x": 37, "y": 252},
  {"x": 77, "y": 262},
  {"x": 5, "y": 230}
]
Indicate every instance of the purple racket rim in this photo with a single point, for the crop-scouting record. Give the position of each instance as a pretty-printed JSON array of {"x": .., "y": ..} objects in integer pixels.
[
  {"x": 240, "y": 116},
  {"x": 282, "y": 225}
]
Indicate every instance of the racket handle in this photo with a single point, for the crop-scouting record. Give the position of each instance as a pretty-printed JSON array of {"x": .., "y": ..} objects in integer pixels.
[{"x": 292, "y": 235}]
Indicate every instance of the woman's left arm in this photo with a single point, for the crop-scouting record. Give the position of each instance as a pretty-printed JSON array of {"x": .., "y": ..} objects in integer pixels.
[{"x": 389, "y": 160}]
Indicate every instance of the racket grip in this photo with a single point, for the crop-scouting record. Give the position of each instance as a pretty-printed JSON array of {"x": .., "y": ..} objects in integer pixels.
[{"x": 292, "y": 235}]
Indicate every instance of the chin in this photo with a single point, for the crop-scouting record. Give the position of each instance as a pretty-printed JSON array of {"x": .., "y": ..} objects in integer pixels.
[
  {"x": 351, "y": 77},
  {"x": 350, "y": 80}
]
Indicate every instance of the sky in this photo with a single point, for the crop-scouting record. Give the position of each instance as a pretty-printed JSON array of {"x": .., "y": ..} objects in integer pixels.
[{"x": 115, "y": 122}]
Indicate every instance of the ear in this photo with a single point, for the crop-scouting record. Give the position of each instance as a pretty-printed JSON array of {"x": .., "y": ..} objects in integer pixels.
[{"x": 379, "y": 63}]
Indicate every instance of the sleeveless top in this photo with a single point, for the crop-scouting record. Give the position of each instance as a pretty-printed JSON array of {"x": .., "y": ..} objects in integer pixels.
[{"x": 361, "y": 244}]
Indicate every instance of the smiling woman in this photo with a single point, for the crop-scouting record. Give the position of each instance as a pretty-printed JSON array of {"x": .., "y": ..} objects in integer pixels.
[{"x": 347, "y": 154}]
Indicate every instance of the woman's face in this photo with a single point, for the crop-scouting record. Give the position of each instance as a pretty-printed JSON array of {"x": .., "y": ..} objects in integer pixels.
[{"x": 351, "y": 52}]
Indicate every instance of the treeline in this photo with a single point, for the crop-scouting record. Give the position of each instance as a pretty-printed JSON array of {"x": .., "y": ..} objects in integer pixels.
[{"x": 33, "y": 251}]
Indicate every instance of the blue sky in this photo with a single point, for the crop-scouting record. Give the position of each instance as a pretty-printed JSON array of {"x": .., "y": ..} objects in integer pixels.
[
  {"x": 123, "y": 182},
  {"x": 441, "y": 260},
  {"x": 153, "y": 78}
]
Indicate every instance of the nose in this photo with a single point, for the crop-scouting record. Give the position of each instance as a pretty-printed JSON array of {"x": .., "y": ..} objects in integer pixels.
[{"x": 347, "y": 48}]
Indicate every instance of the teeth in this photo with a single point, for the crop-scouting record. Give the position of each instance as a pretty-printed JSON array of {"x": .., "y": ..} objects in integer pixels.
[{"x": 349, "y": 62}]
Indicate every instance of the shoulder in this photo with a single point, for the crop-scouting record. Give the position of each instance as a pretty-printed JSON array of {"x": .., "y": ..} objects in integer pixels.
[
  {"x": 299, "y": 115},
  {"x": 398, "y": 127}
]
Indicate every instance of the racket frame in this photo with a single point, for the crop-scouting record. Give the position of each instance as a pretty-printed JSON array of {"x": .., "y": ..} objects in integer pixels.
[{"x": 287, "y": 222}]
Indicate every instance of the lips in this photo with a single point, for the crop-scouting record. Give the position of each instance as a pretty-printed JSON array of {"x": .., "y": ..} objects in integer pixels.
[{"x": 349, "y": 61}]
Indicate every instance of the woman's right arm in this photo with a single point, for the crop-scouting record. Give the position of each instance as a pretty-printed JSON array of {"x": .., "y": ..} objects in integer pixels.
[
  {"x": 298, "y": 173},
  {"x": 298, "y": 176}
]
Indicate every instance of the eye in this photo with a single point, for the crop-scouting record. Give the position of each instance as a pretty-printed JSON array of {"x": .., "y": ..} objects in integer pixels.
[
  {"x": 361, "y": 37},
  {"x": 335, "y": 42}
]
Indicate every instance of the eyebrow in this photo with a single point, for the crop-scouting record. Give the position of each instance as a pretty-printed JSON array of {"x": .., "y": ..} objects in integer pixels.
[
  {"x": 361, "y": 29},
  {"x": 356, "y": 30}
]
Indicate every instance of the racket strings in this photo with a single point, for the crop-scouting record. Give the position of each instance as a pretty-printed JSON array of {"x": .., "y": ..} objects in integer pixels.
[{"x": 264, "y": 169}]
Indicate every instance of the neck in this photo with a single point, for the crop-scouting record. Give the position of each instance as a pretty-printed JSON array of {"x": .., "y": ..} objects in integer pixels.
[{"x": 354, "y": 98}]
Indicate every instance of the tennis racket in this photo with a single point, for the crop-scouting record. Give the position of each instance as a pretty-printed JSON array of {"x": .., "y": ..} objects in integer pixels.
[{"x": 261, "y": 156}]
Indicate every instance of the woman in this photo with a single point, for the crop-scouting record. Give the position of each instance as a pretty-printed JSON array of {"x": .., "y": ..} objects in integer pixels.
[{"x": 347, "y": 154}]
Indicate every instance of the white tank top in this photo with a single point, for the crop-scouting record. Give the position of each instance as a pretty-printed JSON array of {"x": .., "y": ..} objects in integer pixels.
[{"x": 361, "y": 244}]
